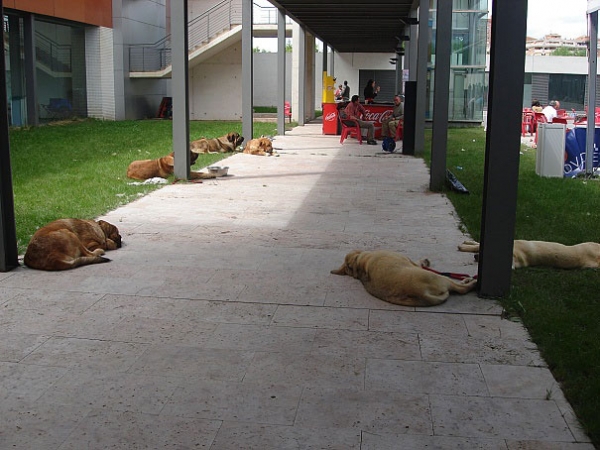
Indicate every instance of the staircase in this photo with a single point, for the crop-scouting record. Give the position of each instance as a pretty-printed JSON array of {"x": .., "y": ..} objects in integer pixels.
[{"x": 220, "y": 23}]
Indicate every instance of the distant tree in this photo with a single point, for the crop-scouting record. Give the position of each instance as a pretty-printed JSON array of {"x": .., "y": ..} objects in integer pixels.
[
  {"x": 258, "y": 50},
  {"x": 288, "y": 48},
  {"x": 567, "y": 51}
]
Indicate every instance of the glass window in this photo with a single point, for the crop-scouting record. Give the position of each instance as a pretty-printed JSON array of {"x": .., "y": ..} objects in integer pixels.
[{"x": 61, "y": 76}]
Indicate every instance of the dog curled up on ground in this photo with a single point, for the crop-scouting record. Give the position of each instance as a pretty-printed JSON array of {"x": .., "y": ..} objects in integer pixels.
[
  {"x": 223, "y": 144},
  {"x": 260, "y": 146},
  {"x": 549, "y": 254},
  {"x": 394, "y": 278},
  {"x": 69, "y": 243},
  {"x": 150, "y": 168}
]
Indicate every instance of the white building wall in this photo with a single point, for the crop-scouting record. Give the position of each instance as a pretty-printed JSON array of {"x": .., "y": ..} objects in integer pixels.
[
  {"x": 215, "y": 87},
  {"x": 100, "y": 73}
]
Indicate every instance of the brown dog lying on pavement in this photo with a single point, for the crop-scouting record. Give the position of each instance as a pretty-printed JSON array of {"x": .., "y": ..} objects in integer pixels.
[
  {"x": 69, "y": 243},
  {"x": 550, "y": 254},
  {"x": 261, "y": 146},
  {"x": 396, "y": 279},
  {"x": 223, "y": 144},
  {"x": 150, "y": 168}
]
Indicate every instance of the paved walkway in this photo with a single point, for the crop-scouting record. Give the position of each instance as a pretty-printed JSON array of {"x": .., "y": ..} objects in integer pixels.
[{"x": 219, "y": 326}]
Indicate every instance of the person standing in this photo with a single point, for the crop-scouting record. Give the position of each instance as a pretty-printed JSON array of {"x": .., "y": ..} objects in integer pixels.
[
  {"x": 389, "y": 125},
  {"x": 370, "y": 91},
  {"x": 346, "y": 91},
  {"x": 354, "y": 110}
]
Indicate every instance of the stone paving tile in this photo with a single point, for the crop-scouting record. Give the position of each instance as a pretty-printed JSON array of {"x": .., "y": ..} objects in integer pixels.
[
  {"x": 261, "y": 338},
  {"x": 102, "y": 356},
  {"x": 371, "y": 441},
  {"x": 230, "y": 312},
  {"x": 504, "y": 418},
  {"x": 22, "y": 383},
  {"x": 541, "y": 445},
  {"x": 110, "y": 391},
  {"x": 184, "y": 362},
  {"x": 234, "y": 435},
  {"x": 521, "y": 382},
  {"x": 271, "y": 403},
  {"x": 304, "y": 369},
  {"x": 437, "y": 347},
  {"x": 15, "y": 346},
  {"x": 129, "y": 430},
  {"x": 425, "y": 323},
  {"x": 367, "y": 344},
  {"x": 322, "y": 317},
  {"x": 421, "y": 377},
  {"x": 372, "y": 411},
  {"x": 32, "y": 425}
]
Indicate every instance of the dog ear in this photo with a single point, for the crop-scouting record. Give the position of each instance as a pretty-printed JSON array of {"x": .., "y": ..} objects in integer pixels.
[{"x": 169, "y": 161}]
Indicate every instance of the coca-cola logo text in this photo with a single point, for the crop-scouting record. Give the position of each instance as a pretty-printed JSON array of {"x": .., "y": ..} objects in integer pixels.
[
  {"x": 330, "y": 117},
  {"x": 377, "y": 116}
]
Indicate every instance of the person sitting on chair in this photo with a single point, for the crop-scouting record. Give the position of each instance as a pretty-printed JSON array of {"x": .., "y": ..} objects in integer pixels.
[
  {"x": 355, "y": 110},
  {"x": 389, "y": 125},
  {"x": 550, "y": 110}
]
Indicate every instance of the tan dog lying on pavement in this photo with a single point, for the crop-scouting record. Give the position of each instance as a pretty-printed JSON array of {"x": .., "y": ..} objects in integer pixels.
[
  {"x": 69, "y": 243},
  {"x": 150, "y": 168},
  {"x": 261, "y": 146},
  {"x": 224, "y": 144},
  {"x": 550, "y": 254},
  {"x": 396, "y": 279}
]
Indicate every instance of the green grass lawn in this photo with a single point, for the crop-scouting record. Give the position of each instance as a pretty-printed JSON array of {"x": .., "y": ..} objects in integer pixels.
[
  {"x": 560, "y": 308},
  {"x": 78, "y": 169}
]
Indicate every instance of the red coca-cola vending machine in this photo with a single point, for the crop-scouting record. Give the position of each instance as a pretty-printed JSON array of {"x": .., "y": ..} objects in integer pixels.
[{"x": 330, "y": 118}]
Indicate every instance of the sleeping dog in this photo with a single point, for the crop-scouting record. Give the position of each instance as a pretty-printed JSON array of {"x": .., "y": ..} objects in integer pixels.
[
  {"x": 394, "y": 278},
  {"x": 549, "y": 254},
  {"x": 69, "y": 243}
]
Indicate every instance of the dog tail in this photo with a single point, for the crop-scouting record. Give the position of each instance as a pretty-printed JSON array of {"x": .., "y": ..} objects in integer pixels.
[
  {"x": 86, "y": 260},
  {"x": 202, "y": 175}
]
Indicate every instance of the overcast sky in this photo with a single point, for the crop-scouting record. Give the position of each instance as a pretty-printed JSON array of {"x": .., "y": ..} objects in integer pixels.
[{"x": 565, "y": 17}]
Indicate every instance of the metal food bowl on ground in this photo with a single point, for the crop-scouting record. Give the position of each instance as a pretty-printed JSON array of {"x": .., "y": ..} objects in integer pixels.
[{"x": 218, "y": 170}]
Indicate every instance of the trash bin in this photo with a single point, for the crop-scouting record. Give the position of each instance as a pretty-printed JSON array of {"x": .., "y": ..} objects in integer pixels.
[
  {"x": 550, "y": 155},
  {"x": 330, "y": 118}
]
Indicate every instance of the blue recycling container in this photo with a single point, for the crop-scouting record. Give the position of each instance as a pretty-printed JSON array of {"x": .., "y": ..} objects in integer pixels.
[{"x": 575, "y": 151}]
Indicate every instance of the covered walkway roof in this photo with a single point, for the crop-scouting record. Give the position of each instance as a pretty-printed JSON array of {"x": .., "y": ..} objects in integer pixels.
[{"x": 351, "y": 25}]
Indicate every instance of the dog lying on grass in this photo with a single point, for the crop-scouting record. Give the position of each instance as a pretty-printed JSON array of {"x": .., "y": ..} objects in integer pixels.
[
  {"x": 69, "y": 243},
  {"x": 549, "y": 254},
  {"x": 394, "y": 278},
  {"x": 223, "y": 144},
  {"x": 163, "y": 167}
]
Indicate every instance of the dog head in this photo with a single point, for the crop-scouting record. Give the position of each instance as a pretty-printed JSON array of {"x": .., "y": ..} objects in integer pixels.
[
  {"x": 265, "y": 145},
  {"x": 351, "y": 265},
  {"x": 169, "y": 160},
  {"x": 113, "y": 238},
  {"x": 235, "y": 139}
]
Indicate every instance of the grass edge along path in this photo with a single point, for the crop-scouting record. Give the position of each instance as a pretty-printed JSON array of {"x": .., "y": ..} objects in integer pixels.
[{"x": 560, "y": 308}]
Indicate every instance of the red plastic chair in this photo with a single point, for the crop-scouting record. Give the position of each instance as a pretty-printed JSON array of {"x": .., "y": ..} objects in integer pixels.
[
  {"x": 287, "y": 111},
  {"x": 350, "y": 127},
  {"x": 527, "y": 123},
  {"x": 399, "y": 131},
  {"x": 538, "y": 118}
]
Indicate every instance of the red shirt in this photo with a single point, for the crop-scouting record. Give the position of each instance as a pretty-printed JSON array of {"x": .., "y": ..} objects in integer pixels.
[{"x": 355, "y": 110}]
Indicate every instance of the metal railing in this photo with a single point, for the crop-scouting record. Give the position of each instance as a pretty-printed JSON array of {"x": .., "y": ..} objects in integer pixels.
[{"x": 153, "y": 57}]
